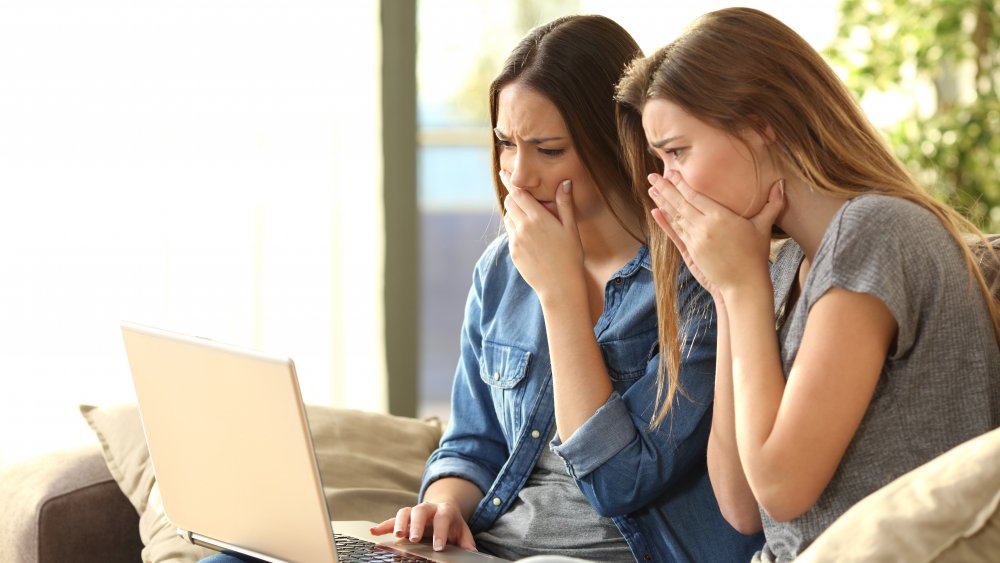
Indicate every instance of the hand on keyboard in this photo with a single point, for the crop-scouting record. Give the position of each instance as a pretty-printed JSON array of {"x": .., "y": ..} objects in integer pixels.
[{"x": 442, "y": 520}]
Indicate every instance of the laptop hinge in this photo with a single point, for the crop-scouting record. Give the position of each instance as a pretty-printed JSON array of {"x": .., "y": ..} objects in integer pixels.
[{"x": 218, "y": 545}]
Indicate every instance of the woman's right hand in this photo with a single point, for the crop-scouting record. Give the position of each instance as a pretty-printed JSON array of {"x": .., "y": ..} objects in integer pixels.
[
  {"x": 443, "y": 520},
  {"x": 723, "y": 249},
  {"x": 544, "y": 245}
]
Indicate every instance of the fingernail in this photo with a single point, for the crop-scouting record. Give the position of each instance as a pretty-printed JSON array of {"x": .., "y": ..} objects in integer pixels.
[
  {"x": 437, "y": 545},
  {"x": 781, "y": 187},
  {"x": 566, "y": 185},
  {"x": 399, "y": 533},
  {"x": 654, "y": 178},
  {"x": 414, "y": 538},
  {"x": 654, "y": 194}
]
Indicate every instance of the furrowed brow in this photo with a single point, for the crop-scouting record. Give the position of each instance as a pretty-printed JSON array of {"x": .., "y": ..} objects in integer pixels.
[
  {"x": 540, "y": 140},
  {"x": 664, "y": 142},
  {"x": 534, "y": 140}
]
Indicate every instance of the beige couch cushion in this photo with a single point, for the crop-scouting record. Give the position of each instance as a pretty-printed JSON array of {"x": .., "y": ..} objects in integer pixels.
[
  {"x": 947, "y": 510},
  {"x": 370, "y": 464}
]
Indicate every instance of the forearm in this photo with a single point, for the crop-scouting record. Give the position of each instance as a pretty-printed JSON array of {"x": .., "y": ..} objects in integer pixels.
[
  {"x": 465, "y": 495},
  {"x": 580, "y": 379},
  {"x": 758, "y": 384},
  {"x": 618, "y": 441},
  {"x": 729, "y": 482}
]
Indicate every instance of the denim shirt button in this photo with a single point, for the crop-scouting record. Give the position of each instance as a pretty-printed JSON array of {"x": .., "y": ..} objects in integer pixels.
[
  {"x": 496, "y": 376},
  {"x": 647, "y": 557},
  {"x": 497, "y": 501},
  {"x": 535, "y": 433},
  {"x": 618, "y": 280}
]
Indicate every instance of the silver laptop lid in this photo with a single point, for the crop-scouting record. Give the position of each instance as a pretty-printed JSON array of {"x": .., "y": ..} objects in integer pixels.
[{"x": 230, "y": 444}]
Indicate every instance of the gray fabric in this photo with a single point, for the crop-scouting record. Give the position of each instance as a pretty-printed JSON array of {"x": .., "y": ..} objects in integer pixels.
[
  {"x": 552, "y": 517},
  {"x": 65, "y": 506},
  {"x": 940, "y": 385}
]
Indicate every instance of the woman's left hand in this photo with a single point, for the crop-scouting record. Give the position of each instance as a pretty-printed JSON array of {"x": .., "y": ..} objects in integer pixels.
[
  {"x": 722, "y": 249},
  {"x": 544, "y": 246}
]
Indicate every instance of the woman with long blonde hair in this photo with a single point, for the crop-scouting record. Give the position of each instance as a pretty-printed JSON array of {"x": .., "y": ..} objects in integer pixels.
[{"x": 871, "y": 343}]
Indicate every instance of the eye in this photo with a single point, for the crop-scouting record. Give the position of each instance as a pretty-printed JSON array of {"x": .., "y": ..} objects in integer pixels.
[
  {"x": 504, "y": 144},
  {"x": 551, "y": 152},
  {"x": 675, "y": 152}
]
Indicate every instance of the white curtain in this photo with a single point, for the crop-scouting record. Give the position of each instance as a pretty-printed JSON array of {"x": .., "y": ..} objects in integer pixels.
[{"x": 212, "y": 167}]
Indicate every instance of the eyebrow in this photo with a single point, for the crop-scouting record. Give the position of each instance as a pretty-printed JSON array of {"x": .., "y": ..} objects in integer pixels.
[
  {"x": 664, "y": 142},
  {"x": 534, "y": 141}
]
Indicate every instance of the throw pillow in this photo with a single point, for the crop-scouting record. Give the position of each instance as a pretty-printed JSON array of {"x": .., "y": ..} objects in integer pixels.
[
  {"x": 364, "y": 478},
  {"x": 947, "y": 510},
  {"x": 119, "y": 431}
]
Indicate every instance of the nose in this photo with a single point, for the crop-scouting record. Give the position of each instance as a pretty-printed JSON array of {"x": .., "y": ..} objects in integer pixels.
[{"x": 524, "y": 173}]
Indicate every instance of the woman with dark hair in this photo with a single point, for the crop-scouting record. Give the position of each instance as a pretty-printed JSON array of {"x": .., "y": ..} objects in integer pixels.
[
  {"x": 887, "y": 348},
  {"x": 551, "y": 446}
]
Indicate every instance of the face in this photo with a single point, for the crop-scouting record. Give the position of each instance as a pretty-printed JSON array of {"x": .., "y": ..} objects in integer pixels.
[
  {"x": 710, "y": 160},
  {"x": 536, "y": 150}
]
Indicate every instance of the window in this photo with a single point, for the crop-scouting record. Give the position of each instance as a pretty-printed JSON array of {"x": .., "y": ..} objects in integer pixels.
[{"x": 199, "y": 166}]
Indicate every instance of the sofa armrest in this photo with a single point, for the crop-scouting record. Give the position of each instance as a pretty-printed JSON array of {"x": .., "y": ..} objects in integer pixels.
[{"x": 65, "y": 506}]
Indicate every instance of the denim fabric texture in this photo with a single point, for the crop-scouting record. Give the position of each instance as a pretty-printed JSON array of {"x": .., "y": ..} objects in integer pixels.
[{"x": 652, "y": 483}]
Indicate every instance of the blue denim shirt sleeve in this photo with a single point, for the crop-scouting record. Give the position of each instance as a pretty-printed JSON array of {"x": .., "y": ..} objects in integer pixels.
[
  {"x": 473, "y": 446},
  {"x": 619, "y": 462}
]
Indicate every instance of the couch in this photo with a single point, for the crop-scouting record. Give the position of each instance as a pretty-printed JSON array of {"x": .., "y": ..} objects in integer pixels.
[{"x": 100, "y": 503}]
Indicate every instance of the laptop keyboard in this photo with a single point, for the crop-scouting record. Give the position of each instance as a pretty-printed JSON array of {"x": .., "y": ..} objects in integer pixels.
[{"x": 354, "y": 550}]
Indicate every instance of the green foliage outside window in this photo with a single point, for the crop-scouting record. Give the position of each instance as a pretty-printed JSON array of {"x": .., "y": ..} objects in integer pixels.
[{"x": 949, "y": 49}]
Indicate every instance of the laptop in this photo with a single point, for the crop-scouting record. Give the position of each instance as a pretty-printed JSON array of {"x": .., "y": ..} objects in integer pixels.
[{"x": 230, "y": 446}]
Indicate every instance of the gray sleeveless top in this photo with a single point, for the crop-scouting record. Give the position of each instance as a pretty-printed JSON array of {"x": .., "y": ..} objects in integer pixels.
[{"x": 941, "y": 384}]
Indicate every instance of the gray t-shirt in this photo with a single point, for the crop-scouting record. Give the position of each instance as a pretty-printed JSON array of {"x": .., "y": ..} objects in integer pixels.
[
  {"x": 551, "y": 516},
  {"x": 940, "y": 385}
]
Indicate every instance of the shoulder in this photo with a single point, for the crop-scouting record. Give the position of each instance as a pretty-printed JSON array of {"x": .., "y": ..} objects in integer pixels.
[
  {"x": 889, "y": 247},
  {"x": 884, "y": 216},
  {"x": 495, "y": 278},
  {"x": 495, "y": 259},
  {"x": 893, "y": 208},
  {"x": 886, "y": 229}
]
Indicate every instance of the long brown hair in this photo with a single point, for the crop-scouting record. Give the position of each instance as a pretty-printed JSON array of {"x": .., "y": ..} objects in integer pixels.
[
  {"x": 740, "y": 68},
  {"x": 575, "y": 62}
]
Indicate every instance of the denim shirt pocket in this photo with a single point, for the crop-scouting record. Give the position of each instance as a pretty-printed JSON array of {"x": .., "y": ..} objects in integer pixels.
[
  {"x": 503, "y": 368},
  {"x": 627, "y": 358}
]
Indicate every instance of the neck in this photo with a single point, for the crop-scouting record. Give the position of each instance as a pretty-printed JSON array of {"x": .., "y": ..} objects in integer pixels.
[
  {"x": 807, "y": 216},
  {"x": 606, "y": 243}
]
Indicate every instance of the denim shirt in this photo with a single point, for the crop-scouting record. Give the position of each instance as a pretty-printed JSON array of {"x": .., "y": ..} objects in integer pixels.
[{"x": 652, "y": 483}]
